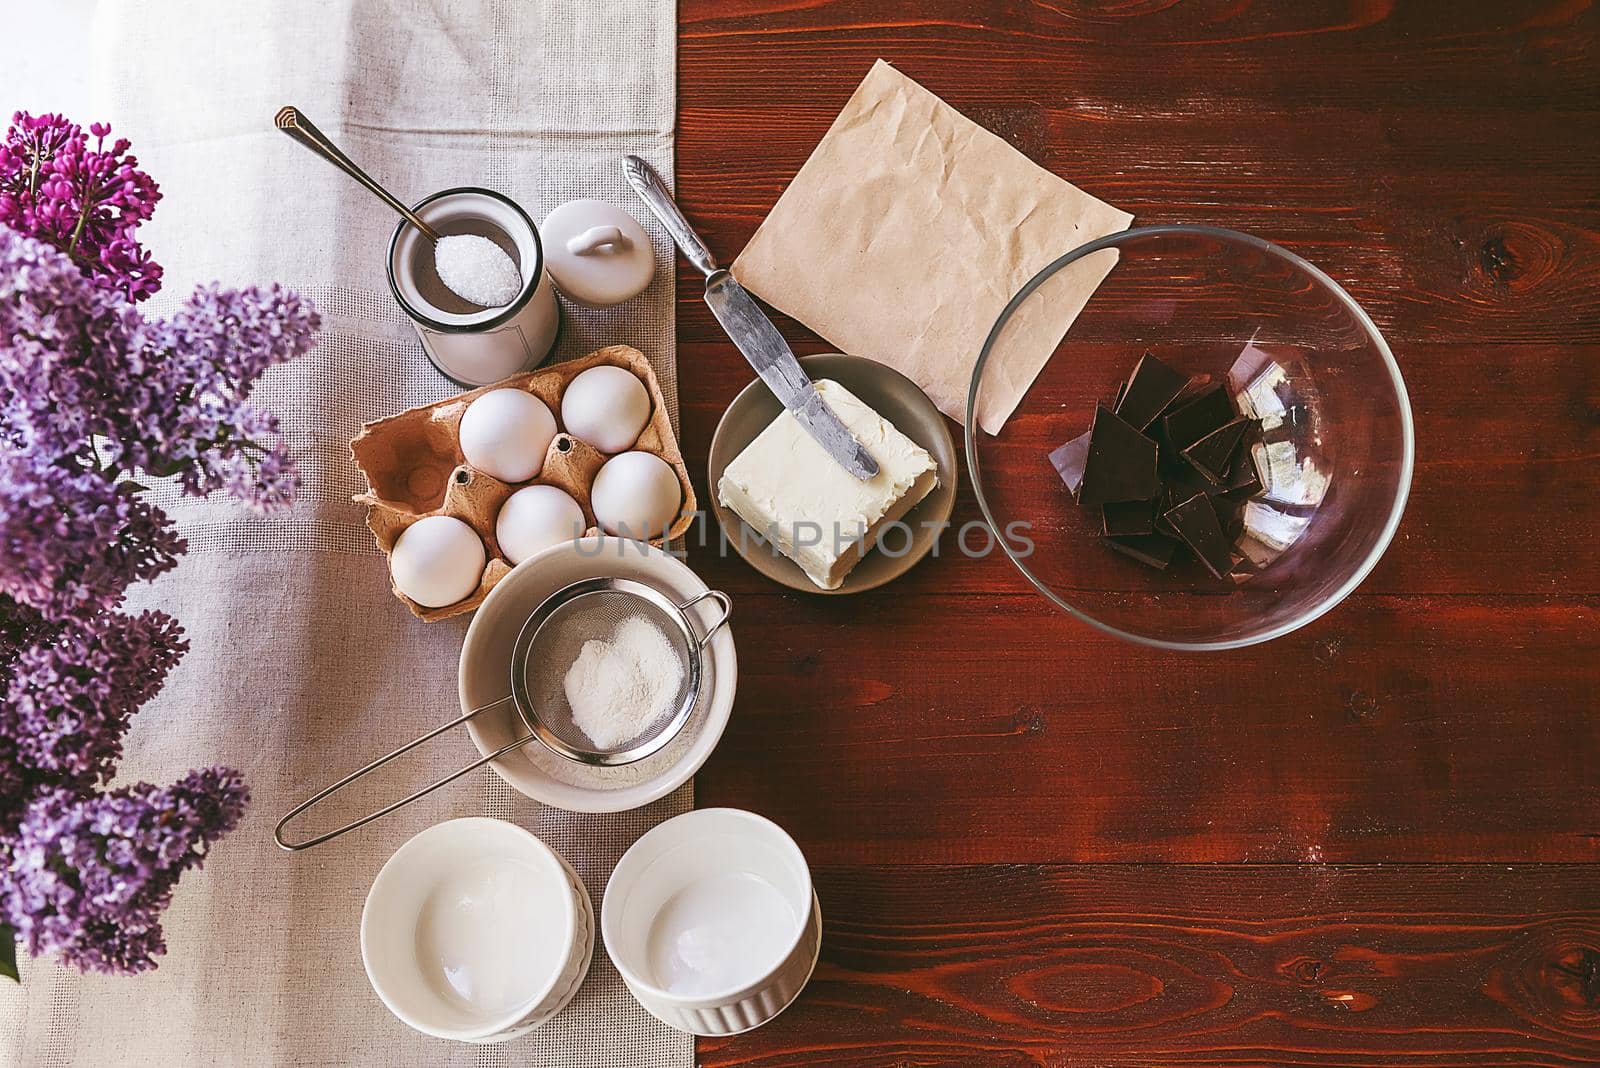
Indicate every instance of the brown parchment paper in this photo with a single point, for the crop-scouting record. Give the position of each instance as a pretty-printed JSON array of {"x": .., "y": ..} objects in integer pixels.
[{"x": 909, "y": 229}]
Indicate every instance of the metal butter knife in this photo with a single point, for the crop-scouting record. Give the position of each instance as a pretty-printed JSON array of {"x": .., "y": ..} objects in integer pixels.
[{"x": 751, "y": 330}]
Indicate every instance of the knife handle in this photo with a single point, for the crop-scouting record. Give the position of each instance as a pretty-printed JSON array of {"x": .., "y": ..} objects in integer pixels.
[{"x": 648, "y": 185}]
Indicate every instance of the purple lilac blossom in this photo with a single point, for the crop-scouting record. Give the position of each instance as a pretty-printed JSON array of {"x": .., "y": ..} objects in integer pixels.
[
  {"x": 211, "y": 353},
  {"x": 69, "y": 696},
  {"x": 90, "y": 875},
  {"x": 90, "y": 390},
  {"x": 85, "y": 200},
  {"x": 169, "y": 398},
  {"x": 61, "y": 349},
  {"x": 71, "y": 542}
]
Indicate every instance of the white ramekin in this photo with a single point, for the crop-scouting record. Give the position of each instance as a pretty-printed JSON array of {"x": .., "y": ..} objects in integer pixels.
[
  {"x": 686, "y": 853},
  {"x": 414, "y": 989}
]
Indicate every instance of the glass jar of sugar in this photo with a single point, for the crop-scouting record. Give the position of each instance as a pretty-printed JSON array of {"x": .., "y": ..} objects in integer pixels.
[{"x": 469, "y": 343}]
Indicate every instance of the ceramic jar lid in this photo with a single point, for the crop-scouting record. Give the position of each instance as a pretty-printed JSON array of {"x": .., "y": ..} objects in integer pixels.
[{"x": 597, "y": 253}]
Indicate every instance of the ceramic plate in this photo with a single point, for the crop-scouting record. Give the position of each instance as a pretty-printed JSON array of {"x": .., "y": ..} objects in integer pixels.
[{"x": 890, "y": 394}]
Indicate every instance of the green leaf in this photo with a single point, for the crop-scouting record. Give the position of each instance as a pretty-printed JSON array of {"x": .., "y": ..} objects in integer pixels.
[
  {"x": 8, "y": 954},
  {"x": 130, "y": 484}
]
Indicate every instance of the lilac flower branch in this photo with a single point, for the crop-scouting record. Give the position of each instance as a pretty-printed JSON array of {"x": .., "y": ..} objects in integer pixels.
[
  {"x": 91, "y": 875},
  {"x": 92, "y": 393},
  {"x": 87, "y": 201}
]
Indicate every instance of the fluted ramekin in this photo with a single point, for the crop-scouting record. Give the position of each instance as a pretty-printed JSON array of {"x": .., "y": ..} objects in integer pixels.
[{"x": 770, "y": 950}]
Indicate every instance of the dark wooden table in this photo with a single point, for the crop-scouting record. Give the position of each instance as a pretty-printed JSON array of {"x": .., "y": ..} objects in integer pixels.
[{"x": 1375, "y": 841}]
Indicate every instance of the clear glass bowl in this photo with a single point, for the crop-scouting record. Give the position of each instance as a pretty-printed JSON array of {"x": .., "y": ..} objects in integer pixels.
[{"x": 1197, "y": 296}]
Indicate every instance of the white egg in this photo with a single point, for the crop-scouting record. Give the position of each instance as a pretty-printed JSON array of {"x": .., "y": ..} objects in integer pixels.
[
  {"x": 535, "y": 518},
  {"x": 505, "y": 433},
  {"x": 607, "y": 407},
  {"x": 437, "y": 561},
  {"x": 636, "y": 495}
]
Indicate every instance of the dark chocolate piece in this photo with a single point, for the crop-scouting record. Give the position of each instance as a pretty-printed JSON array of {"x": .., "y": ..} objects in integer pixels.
[
  {"x": 1231, "y": 515},
  {"x": 1121, "y": 464},
  {"x": 1210, "y": 410},
  {"x": 1122, "y": 391},
  {"x": 1244, "y": 481},
  {"x": 1247, "y": 367},
  {"x": 1128, "y": 517},
  {"x": 1069, "y": 459},
  {"x": 1183, "y": 484},
  {"x": 1197, "y": 524},
  {"x": 1155, "y": 550},
  {"x": 1149, "y": 389},
  {"x": 1198, "y": 384},
  {"x": 1213, "y": 454},
  {"x": 1171, "y": 495},
  {"x": 1172, "y": 457}
]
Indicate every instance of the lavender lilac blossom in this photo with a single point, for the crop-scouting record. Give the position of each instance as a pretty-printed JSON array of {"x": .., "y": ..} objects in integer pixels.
[
  {"x": 85, "y": 376},
  {"x": 69, "y": 698},
  {"x": 91, "y": 875},
  {"x": 72, "y": 541},
  {"x": 92, "y": 392}
]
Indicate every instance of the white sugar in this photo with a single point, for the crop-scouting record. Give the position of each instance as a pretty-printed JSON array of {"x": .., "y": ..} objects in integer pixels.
[
  {"x": 620, "y": 688},
  {"x": 477, "y": 270}
]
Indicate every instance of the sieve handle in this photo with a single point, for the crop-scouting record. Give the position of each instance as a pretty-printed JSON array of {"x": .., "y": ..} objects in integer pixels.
[
  {"x": 321, "y": 795},
  {"x": 727, "y": 610}
]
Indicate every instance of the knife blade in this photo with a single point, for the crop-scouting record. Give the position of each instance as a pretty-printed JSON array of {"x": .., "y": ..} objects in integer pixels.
[
  {"x": 752, "y": 332},
  {"x": 775, "y": 362}
]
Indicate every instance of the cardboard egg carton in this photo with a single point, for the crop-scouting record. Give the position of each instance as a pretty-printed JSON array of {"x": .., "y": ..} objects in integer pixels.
[{"x": 414, "y": 467}]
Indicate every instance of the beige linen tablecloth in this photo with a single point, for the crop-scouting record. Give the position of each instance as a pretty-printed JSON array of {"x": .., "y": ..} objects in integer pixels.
[{"x": 303, "y": 664}]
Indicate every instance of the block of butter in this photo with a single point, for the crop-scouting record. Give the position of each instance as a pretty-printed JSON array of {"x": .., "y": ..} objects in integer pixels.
[{"x": 792, "y": 493}]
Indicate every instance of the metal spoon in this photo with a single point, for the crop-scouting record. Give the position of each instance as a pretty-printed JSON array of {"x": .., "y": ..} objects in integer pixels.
[{"x": 297, "y": 126}]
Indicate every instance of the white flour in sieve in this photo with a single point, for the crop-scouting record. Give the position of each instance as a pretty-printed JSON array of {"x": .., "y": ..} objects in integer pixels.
[{"x": 620, "y": 688}]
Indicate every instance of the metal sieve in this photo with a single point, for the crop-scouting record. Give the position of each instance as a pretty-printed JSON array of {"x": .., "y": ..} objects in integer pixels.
[
  {"x": 549, "y": 643},
  {"x": 553, "y": 638}
]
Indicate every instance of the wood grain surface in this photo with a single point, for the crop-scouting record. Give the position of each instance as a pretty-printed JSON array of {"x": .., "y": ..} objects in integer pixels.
[
  {"x": 1184, "y": 965},
  {"x": 1037, "y": 845}
]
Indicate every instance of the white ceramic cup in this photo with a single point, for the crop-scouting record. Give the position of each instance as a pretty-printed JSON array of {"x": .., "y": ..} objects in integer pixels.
[
  {"x": 712, "y": 921},
  {"x": 476, "y": 931}
]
